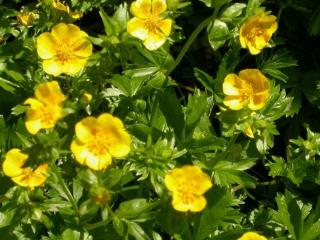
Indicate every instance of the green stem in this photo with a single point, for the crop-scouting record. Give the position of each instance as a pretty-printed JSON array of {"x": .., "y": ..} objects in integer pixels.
[
  {"x": 66, "y": 189},
  {"x": 98, "y": 224},
  {"x": 91, "y": 226},
  {"x": 191, "y": 39},
  {"x": 222, "y": 155}
]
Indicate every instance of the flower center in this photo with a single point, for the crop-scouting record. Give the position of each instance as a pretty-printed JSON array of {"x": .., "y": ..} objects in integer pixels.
[
  {"x": 64, "y": 52},
  {"x": 188, "y": 198},
  {"x": 99, "y": 145},
  {"x": 48, "y": 117},
  {"x": 27, "y": 174},
  {"x": 152, "y": 25}
]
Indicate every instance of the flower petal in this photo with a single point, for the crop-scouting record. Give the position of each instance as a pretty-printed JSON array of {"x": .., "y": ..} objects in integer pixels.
[
  {"x": 256, "y": 79},
  {"x": 83, "y": 48},
  {"x": 252, "y": 236},
  {"x": 74, "y": 66},
  {"x": 85, "y": 128},
  {"x": 107, "y": 120},
  {"x": 52, "y": 66},
  {"x": 258, "y": 101},
  {"x": 49, "y": 93},
  {"x": 232, "y": 85},
  {"x": 252, "y": 48},
  {"x": 158, "y": 7},
  {"x": 136, "y": 27},
  {"x": 98, "y": 162},
  {"x": 14, "y": 160},
  {"x": 85, "y": 157},
  {"x": 154, "y": 41},
  {"x": 141, "y": 8},
  {"x": 234, "y": 102},
  {"x": 165, "y": 26},
  {"x": 33, "y": 126},
  {"x": 188, "y": 202},
  {"x": 39, "y": 176},
  {"x": 46, "y": 46},
  {"x": 119, "y": 150},
  {"x": 67, "y": 33}
]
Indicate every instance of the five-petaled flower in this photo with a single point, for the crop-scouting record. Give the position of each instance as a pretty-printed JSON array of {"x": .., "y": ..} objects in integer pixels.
[
  {"x": 98, "y": 140},
  {"x": 46, "y": 108},
  {"x": 64, "y": 50},
  {"x": 256, "y": 32},
  {"x": 250, "y": 88},
  {"x": 187, "y": 185},
  {"x": 56, "y": 4},
  {"x": 148, "y": 23},
  {"x": 252, "y": 236},
  {"x": 27, "y": 177}
]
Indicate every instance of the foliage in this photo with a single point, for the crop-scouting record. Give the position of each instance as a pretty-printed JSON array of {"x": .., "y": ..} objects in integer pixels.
[{"x": 264, "y": 164}]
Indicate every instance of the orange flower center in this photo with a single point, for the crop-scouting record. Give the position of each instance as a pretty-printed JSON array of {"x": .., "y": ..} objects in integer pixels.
[
  {"x": 64, "y": 52},
  {"x": 188, "y": 198},
  {"x": 152, "y": 24},
  {"x": 99, "y": 145},
  {"x": 48, "y": 117},
  {"x": 27, "y": 174}
]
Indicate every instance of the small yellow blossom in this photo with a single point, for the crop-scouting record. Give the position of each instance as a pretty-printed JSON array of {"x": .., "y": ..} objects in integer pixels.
[
  {"x": 56, "y": 4},
  {"x": 250, "y": 88},
  {"x": 27, "y": 18},
  {"x": 46, "y": 108},
  {"x": 148, "y": 23},
  {"x": 86, "y": 97},
  {"x": 252, "y": 236},
  {"x": 248, "y": 132},
  {"x": 65, "y": 49},
  {"x": 256, "y": 32},
  {"x": 187, "y": 185},
  {"x": 98, "y": 140},
  {"x": 27, "y": 177}
]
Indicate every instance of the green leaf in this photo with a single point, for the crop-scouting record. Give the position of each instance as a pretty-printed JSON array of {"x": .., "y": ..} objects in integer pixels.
[
  {"x": 218, "y": 33},
  {"x": 289, "y": 214},
  {"x": 197, "y": 105},
  {"x": 233, "y": 11},
  {"x": 172, "y": 110},
  {"x": 136, "y": 231},
  {"x": 219, "y": 201},
  {"x": 134, "y": 208},
  {"x": 204, "y": 78}
]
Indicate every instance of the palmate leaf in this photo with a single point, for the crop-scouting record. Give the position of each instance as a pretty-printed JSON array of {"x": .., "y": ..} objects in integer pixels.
[
  {"x": 227, "y": 173},
  {"x": 297, "y": 218}
]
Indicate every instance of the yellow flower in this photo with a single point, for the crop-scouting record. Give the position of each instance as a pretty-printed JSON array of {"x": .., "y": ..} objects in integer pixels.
[
  {"x": 26, "y": 177},
  {"x": 248, "y": 132},
  {"x": 250, "y": 88},
  {"x": 252, "y": 236},
  {"x": 86, "y": 97},
  {"x": 256, "y": 32},
  {"x": 46, "y": 108},
  {"x": 187, "y": 185},
  {"x": 64, "y": 50},
  {"x": 98, "y": 140},
  {"x": 148, "y": 25},
  {"x": 27, "y": 18},
  {"x": 56, "y": 4}
]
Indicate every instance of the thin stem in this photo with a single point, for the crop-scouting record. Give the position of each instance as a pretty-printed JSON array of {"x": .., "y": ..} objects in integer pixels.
[
  {"x": 90, "y": 226},
  {"x": 98, "y": 224},
  {"x": 191, "y": 39},
  {"x": 66, "y": 189}
]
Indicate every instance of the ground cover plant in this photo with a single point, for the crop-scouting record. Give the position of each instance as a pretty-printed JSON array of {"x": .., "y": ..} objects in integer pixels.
[{"x": 160, "y": 119}]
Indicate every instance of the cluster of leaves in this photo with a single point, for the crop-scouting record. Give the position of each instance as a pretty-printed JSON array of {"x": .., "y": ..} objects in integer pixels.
[{"x": 171, "y": 102}]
